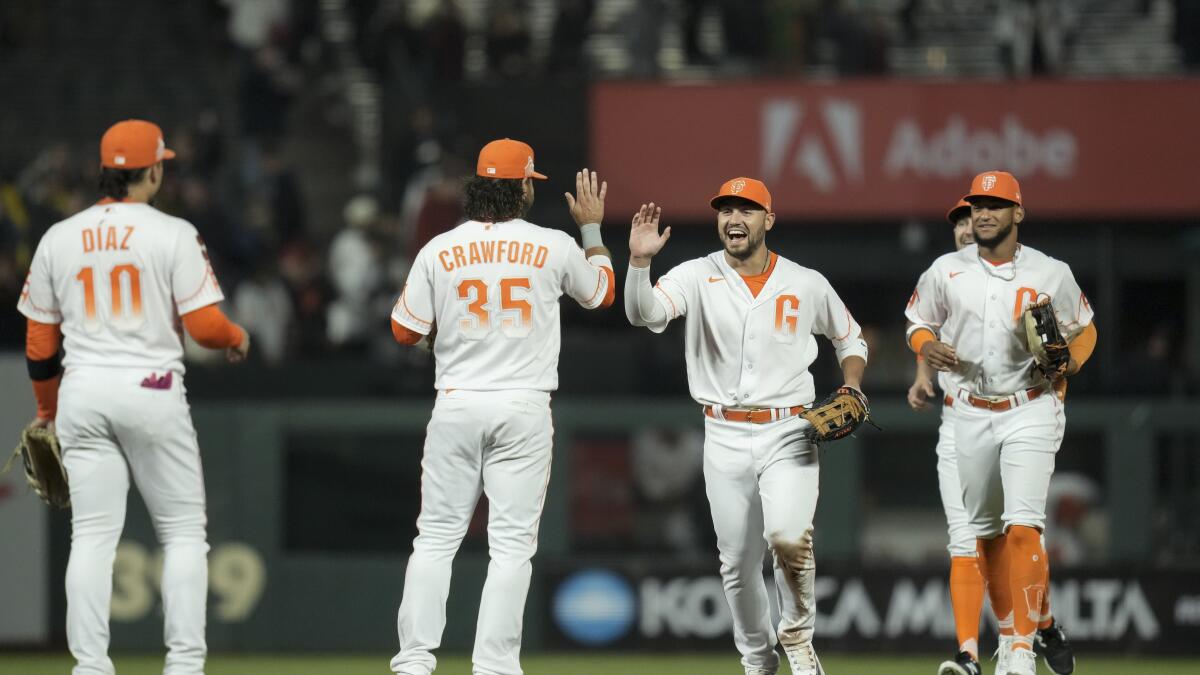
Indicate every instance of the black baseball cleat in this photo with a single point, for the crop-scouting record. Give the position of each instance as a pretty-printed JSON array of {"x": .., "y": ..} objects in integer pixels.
[
  {"x": 963, "y": 664},
  {"x": 1052, "y": 644}
]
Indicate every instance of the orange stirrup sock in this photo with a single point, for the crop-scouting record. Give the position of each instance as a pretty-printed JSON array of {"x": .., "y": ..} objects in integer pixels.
[
  {"x": 993, "y": 563},
  {"x": 966, "y": 596},
  {"x": 1047, "y": 617},
  {"x": 1027, "y": 571}
]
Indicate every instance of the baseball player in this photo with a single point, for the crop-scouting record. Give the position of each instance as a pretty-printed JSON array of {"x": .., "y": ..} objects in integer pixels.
[
  {"x": 750, "y": 316},
  {"x": 489, "y": 289},
  {"x": 113, "y": 283},
  {"x": 966, "y": 581},
  {"x": 964, "y": 320}
]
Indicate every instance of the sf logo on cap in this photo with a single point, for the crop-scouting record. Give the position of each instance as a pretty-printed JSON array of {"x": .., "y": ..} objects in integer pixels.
[
  {"x": 738, "y": 186},
  {"x": 989, "y": 182}
]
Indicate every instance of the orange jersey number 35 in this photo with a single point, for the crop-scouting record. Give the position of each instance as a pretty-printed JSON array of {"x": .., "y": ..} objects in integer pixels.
[{"x": 513, "y": 317}]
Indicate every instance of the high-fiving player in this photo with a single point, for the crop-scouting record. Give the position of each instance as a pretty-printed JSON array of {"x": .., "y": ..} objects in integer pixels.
[
  {"x": 1007, "y": 424},
  {"x": 491, "y": 287},
  {"x": 750, "y": 316},
  {"x": 112, "y": 283}
]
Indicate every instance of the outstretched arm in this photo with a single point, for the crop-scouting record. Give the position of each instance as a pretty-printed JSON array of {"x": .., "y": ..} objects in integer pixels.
[
  {"x": 642, "y": 306},
  {"x": 592, "y": 285}
]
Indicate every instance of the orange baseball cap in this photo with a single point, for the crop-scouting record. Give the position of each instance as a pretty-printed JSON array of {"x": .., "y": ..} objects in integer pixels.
[
  {"x": 133, "y": 144},
  {"x": 953, "y": 214},
  {"x": 506, "y": 158},
  {"x": 746, "y": 188},
  {"x": 999, "y": 184}
]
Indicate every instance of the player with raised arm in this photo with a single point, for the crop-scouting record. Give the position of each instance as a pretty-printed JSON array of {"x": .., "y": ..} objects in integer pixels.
[
  {"x": 491, "y": 288},
  {"x": 750, "y": 316}
]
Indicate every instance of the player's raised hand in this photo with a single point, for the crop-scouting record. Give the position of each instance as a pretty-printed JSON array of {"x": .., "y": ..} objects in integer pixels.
[
  {"x": 645, "y": 241},
  {"x": 919, "y": 394},
  {"x": 587, "y": 204},
  {"x": 238, "y": 354},
  {"x": 939, "y": 355}
]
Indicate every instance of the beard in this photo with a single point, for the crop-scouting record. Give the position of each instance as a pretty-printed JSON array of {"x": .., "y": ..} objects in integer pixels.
[
  {"x": 1000, "y": 235},
  {"x": 747, "y": 247}
]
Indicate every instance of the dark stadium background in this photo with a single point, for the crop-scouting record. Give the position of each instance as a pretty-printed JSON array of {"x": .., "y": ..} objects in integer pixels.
[{"x": 322, "y": 142}]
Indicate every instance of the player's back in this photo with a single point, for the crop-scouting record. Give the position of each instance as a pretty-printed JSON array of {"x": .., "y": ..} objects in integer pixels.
[
  {"x": 122, "y": 273},
  {"x": 495, "y": 293}
]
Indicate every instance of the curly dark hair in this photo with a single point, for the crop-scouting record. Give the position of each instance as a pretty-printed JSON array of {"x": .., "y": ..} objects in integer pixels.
[
  {"x": 114, "y": 183},
  {"x": 494, "y": 200}
]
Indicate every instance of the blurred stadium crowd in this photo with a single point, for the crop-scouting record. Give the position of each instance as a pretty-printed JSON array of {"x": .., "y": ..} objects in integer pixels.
[{"x": 312, "y": 238}]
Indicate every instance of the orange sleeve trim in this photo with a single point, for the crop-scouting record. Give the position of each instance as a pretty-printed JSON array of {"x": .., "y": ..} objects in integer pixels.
[
  {"x": 210, "y": 328},
  {"x": 405, "y": 335},
  {"x": 42, "y": 340},
  {"x": 674, "y": 312},
  {"x": 918, "y": 339},
  {"x": 46, "y": 393},
  {"x": 611, "y": 293},
  {"x": 1083, "y": 345}
]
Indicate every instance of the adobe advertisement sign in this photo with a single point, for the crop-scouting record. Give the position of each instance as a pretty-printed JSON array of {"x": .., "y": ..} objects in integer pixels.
[
  {"x": 658, "y": 606},
  {"x": 897, "y": 149}
]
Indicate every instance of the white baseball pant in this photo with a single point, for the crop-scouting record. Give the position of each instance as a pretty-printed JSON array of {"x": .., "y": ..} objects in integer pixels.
[
  {"x": 962, "y": 537},
  {"x": 111, "y": 429},
  {"x": 762, "y": 483},
  {"x": 498, "y": 443},
  {"x": 1005, "y": 460}
]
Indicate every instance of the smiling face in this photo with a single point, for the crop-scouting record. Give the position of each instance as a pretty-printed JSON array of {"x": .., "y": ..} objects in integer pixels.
[
  {"x": 993, "y": 220},
  {"x": 963, "y": 236},
  {"x": 742, "y": 226}
]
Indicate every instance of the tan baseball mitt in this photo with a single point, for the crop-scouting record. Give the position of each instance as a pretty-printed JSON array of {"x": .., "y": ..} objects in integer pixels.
[
  {"x": 838, "y": 415},
  {"x": 40, "y": 451}
]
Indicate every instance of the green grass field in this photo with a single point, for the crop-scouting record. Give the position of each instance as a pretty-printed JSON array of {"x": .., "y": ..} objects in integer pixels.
[{"x": 662, "y": 664}]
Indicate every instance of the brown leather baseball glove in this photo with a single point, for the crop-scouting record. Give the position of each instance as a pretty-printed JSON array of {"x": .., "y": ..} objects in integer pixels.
[
  {"x": 1045, "y": 341},
  {"x": 838, "y": 415},
  {"x": 40, "y": 451}
]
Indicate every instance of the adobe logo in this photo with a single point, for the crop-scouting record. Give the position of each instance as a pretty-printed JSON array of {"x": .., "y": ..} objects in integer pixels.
[{"x": 821, "y": 142}]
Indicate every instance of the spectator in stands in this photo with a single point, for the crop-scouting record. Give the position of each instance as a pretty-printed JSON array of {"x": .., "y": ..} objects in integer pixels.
[
  {"x": 642, "y": 28},
  {"x": 1034, "y": 35},
  {"x": 570, "y": 34},
  {"x": 445, "y": 43},
  {"x": 508, "y": 40},
  {"x": 300, "y": 269},
  {"x": 262, "y": 305},
  {"x": 1187, "y": 32},
  {"x": 356, "y": 270}
]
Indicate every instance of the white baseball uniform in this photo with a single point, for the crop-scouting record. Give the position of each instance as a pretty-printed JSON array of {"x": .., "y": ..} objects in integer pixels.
[
  {"x": 492, "y": 289},
  {"x": 117, "y": 276},
  {"x": 745, "y": 352},
  {"x": 958, "y": 524},
  {"x": 1005, "y": 458}
]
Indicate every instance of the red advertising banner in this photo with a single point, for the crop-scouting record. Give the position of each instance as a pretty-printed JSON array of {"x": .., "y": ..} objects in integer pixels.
[{"x": 893, "y": 149}]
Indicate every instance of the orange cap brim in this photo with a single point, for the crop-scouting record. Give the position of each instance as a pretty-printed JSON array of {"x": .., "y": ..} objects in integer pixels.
[
  {"x": 168, "y": 153},
  {"x": 538, "y": 176}
]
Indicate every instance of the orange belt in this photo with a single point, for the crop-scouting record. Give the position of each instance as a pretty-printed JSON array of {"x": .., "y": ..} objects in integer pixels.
[
  {"x": 754, "y": 416},
  {"x": 996, "y": 406}
]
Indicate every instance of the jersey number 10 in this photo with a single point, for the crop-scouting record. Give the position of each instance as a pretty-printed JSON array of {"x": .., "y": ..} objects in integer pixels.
[
  {"x": 125, "y": 284},
  {"x": 515, "y": 313}
]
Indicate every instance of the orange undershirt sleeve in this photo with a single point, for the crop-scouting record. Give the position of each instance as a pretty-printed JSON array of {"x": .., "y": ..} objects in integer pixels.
[
  {"x": 404, "y": 335},
  {"x": 42, "y": 341},
  {"x": 210, "y": 328},
  {"x": 1083, "y": 345},
  {"x": 919, "y": 338}
]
